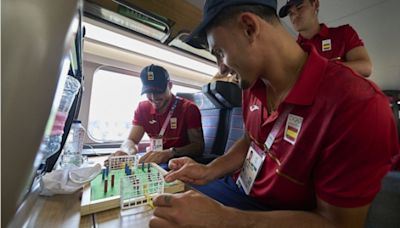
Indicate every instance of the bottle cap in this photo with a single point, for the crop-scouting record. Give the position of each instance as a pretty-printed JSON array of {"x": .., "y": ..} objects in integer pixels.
[{"x": 76, "y": 121}]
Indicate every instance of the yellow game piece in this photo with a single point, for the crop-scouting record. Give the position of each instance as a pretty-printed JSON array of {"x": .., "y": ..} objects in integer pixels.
[{"x": 147, "y": 195}]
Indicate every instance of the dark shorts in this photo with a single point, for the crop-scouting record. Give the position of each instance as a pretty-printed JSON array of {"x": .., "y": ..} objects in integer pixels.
[
  {"x": 226, "y": 191},
  {"x": 164, "y": 166}
]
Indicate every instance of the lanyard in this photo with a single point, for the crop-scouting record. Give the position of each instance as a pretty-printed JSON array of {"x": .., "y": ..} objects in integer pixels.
[
  {"x": 171, "y": 111},
  {"x": 254, "y": 159},
  {"x": 275, "y": 129}
]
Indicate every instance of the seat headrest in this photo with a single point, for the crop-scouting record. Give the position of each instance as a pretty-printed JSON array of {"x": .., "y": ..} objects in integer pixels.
[
  {"x": 200, "y": 99},
  {"x": 227, "y": 93}
]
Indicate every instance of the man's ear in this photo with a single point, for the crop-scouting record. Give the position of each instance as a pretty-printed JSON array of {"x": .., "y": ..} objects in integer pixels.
[
  {"x": 169, "y": 85},
  {"x": 250, "y": 25},
  {"x": 316, "y": 2}
]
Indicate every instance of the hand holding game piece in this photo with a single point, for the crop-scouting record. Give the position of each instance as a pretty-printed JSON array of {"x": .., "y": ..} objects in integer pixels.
[
  {"x": 188, "y": 209},
  {"x": 188, "y": 171}
]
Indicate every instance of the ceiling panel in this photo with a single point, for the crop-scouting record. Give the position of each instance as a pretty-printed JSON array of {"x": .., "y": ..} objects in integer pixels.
[
  {"x": 379, "y": 27},
  {"x": 331, "y": 10}
]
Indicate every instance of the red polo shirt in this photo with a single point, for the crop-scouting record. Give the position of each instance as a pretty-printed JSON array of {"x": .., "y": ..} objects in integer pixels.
[
  {"x": 333, "y": 42},
  {"x": 343, "y": 148},
  {"x": 186, "y": 116}
]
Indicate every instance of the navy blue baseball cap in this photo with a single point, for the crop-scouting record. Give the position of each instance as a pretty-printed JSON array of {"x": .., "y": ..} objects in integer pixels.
[
  {"x": 211, "y": 9},
  {"x": 284, "y": 11},
  {"x": 154, "y": 79}
]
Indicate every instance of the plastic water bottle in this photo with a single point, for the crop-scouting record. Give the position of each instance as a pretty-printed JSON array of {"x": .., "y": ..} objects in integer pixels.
[
  {"x": 71, "y": 88},
  {"x": 51, "y": 143},
  {"x": 74, "y": 145}
]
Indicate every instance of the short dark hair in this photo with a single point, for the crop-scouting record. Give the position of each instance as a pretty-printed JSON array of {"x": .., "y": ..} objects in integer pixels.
[{"x": 266, "y": 13}]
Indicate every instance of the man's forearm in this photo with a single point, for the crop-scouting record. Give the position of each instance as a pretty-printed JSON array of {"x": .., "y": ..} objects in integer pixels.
[
  {"x": 358, "y": 60},
  {"x": 192, "y": 150},
  {"x": 238, "y": 218},
  {"x": 196, "y": 146},
  {"x": 325, "y": 215},
  {"x": 363, "y": 67},
  {"x": 232, "y": 160}
]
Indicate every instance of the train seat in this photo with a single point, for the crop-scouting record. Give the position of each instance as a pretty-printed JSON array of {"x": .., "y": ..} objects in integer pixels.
[{"x": 384, "y": 210}]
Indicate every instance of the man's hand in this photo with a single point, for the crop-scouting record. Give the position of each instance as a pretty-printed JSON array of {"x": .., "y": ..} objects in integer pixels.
[
  {"x": 189, "y": 209},
  {"x": 188, "y": 171},
  {"x": 117, "y": 153},
  {"x": 157, "y": 157}
]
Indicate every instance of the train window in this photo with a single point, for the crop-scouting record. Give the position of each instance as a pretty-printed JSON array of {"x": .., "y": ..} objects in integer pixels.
[{"x": 114, "y": 99}]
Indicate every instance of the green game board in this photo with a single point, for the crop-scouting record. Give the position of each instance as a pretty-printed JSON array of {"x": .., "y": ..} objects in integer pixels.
[{"x": 97, "y": 185}]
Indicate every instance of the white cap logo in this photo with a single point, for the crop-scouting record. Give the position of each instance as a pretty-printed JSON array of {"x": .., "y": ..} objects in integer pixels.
[{"x": 150, "y": 76}]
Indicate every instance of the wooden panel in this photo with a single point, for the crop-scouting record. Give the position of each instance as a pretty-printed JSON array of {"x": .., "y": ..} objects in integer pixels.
[
  {"x": 56, "y": 211},
  {"x": 184, "y": 15},
  {"x": 113, "y": 218},
  {"x": 86, "y": 221}
]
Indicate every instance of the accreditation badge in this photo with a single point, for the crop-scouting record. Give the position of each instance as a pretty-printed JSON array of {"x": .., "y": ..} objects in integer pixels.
[
  {"x": 173, "y": 123},
  {"x": 156, "y": 144},
  {"x": 251, "y": 166},
  {"x": 292, "y": 129},
  {"x": 326, "y": 45}
]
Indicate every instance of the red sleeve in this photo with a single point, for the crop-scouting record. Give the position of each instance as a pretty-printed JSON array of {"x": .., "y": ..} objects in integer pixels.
[
  {"x": 193, "y": 116},
  {"x": 138, "y": 118},
  {"x": 351, "y": 38},
  {"x": 357, "y": 154}
]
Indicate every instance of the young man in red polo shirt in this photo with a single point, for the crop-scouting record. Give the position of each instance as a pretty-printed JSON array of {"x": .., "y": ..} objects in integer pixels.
[
  {"x": 172, "y": 123},
  {"x": 341, "y": 43},
  {"x": 318, "y": 137}
]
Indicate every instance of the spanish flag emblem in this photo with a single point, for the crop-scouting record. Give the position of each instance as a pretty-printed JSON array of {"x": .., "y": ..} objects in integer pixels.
[
  {"x": 326, "y": 45},
  {"x": 292, "y": 129}
]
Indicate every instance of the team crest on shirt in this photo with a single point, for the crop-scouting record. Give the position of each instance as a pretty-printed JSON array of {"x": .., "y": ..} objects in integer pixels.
[
  {"x": 326, "y": 45},
  {"x": 150, "y": 76},
  {"x": 292, "y": 129},
  {"x": 254, "y": 108},
  {"x": 152, "y": 121},
  {"x": 173, "y": 123}
]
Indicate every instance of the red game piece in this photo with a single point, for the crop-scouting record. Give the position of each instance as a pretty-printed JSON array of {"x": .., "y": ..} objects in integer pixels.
[{"x": 105, "y": 185}]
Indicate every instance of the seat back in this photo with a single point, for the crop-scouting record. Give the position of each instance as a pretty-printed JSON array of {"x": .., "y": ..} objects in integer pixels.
[
  {"x": 216, "y": 103},
  {"x": 235, "y": 127},
  {"x": 385, "y": 209},
  {"x": 201, "y": 100},
  {"x": 394, "y": 99},
  {"x": 213, "y": 121}
]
